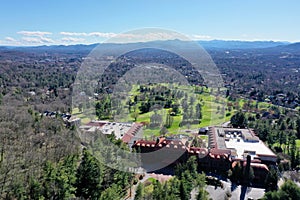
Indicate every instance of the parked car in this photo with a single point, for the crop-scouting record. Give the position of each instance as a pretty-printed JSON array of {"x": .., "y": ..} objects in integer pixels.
[{"x": 210, "y": 180}]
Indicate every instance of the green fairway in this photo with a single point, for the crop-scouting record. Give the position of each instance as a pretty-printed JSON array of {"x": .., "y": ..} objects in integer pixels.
[
  {"x": 211, "y": 113},
  {"x": 210, "y": 110},
  {"x": 213, "y": 109}
]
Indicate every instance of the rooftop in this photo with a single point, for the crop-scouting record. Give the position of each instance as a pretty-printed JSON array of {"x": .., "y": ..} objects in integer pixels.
[
  {"x": 241, "y": 142},
  {"x": 106, "y": 127}
]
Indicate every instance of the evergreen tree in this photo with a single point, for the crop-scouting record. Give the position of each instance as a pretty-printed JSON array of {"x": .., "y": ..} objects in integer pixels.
[
  {"x": 49, "y": 186},
  {"x": 198, "y": 113},
  {"x": 89, "y": 177},
  {"x": 66, "y": 178},
  {"x": 35, "y": 190},
  {"x": 271, "y": 180},
  {"x": 139, "y": 192},
  {"x": 289, "y": 190},
  {"x": 111, "y": 193},
  {"x": 184, "y": 195},
  {"x": 297, "y": 159},
  {"x": 237, "y": 173},
  {"x": 298, "y": 127},
  {"x": 157, "y": 190},
  {"x": 175, "y": 109},
  {"x": 239, "y": 120},
  {"x": 202, "y": 194},
  {"x": 169, "y": 119}
]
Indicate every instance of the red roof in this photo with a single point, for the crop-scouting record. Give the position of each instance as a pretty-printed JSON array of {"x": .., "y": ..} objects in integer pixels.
[
  {"x": 267, "y": 155},
  {"x": 127, "y": 137},
  {"x": 257, "y": 166},
  {"x": 216, "y": 151},
  {"x": 131, "y": 132},
  {"x": 256, "y": 161},
  {"x": 135, "y": 128},
  {"x": 198, "y": 150},
  {"x": 161, "y": 143}
]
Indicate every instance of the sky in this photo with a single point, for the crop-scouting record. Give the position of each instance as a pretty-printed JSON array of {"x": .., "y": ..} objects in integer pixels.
[{"x": 49, "y": 22}]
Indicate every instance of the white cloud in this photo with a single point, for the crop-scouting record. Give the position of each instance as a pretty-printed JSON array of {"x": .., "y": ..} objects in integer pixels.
[
  {"x": 72, "y": 39},
  {"x": 41, "y": 38},
  {"x": 96, "y": 34},
  {"x": 31, "y": 40},
  {"x": 37, "y": 40},
  {"x": 73, "y": 34},
  {"x": 34, "y": 33},
  {"x": 35, "y": 37},
  {"x": 10, "y": 39},
  {"x": 201, "y": 37},
  {"x": 146, "y": 37},
  {"x": 128, "y": 37},
  {"x": 100, "y": 34},
  {"x": 46, "y": 40}
]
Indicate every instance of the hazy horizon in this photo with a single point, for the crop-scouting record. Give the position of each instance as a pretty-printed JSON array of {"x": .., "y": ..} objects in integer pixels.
[
  {"x": 104, "y": 42},
  {"x": 36, "y": 23}
]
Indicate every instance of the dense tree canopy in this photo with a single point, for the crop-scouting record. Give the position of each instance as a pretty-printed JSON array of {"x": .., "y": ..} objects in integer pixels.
[
  {"x": 239, "y": 120},
  {"x": 289, "y": 190}
]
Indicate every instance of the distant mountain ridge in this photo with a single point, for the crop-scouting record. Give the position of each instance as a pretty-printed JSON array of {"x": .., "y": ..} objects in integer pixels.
[
  {"x": 235, "y": 44},
  {"x": 212, "y": 44}
]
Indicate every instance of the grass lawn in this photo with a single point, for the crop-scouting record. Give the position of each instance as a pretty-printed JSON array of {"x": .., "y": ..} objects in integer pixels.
[
  {"x": 84, "y": 118},
  {"x": 283, "y": 146},
  {"x": 75, "y": 111},
  {"x": 152, "y": 180},
  {"x": 211, "y": 115},
  {"x": 144, "y": 117},
  {"x": 211, "y": 111},
  {"x": 204, "y": 137},
  {"x": 298, "y": 143},
  {"x": 175, "y": 125},
  {"x": 263, "y": 105},
  {"x": 147, "y": 132}
]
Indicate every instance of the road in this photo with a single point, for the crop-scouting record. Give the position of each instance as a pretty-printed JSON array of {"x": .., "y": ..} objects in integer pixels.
[{"x": 237, "y": 192}]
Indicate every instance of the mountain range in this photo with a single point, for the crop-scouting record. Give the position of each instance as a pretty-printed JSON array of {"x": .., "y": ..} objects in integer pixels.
[{"x": 208, "y": 45}]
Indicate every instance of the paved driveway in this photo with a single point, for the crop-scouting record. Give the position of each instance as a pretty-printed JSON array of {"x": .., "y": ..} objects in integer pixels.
[{"x": 237, "y": 192}]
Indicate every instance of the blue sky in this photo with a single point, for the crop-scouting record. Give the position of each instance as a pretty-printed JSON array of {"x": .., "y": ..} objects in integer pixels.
[{"x": 38, "y": 22}]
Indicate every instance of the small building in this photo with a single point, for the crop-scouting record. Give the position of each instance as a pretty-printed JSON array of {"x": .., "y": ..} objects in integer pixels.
[
  {"x": 74, "y": 122},
  {"x": 203, "y": 131}
]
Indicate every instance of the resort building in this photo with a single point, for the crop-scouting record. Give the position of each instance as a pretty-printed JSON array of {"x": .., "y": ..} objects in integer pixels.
[
  {"x": 226, "y": 148},
  {"x": 127, "y": 132}
]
